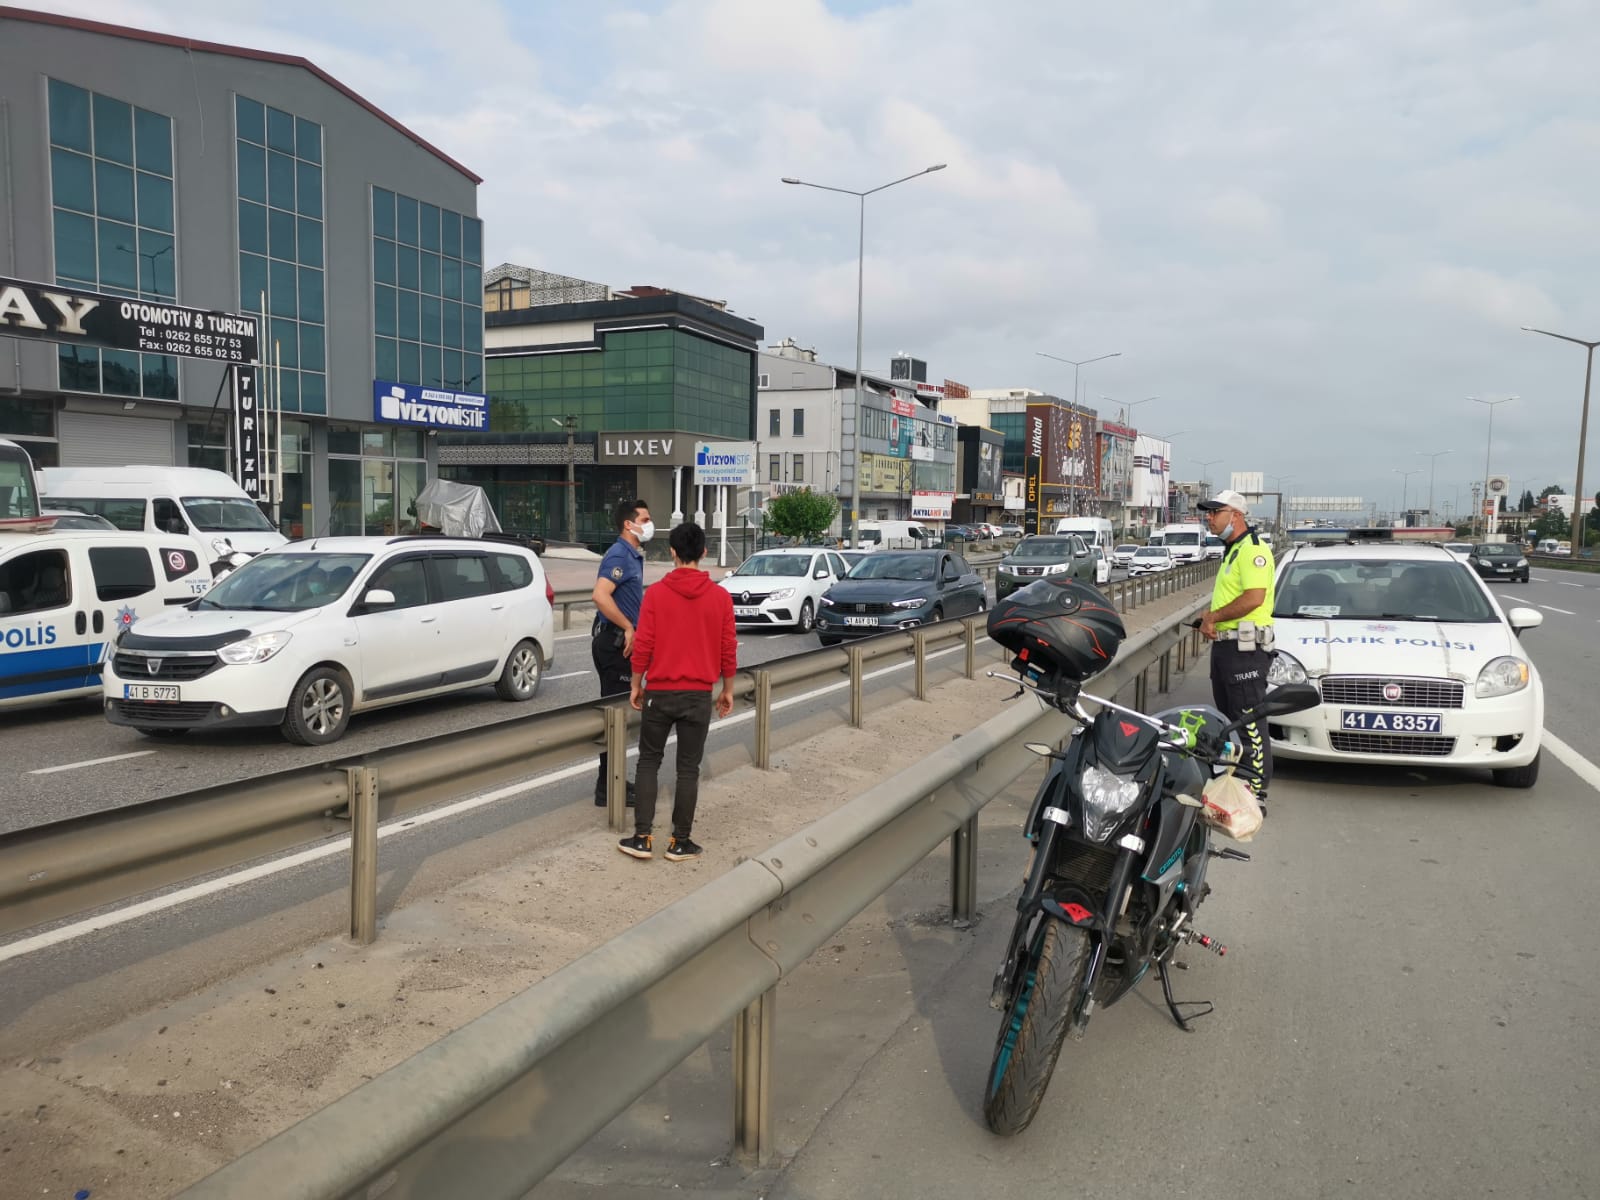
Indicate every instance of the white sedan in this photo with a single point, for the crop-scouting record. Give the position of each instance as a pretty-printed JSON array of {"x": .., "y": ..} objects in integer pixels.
[
  {"x": 1417, "y": 664},
  {"x": 1147, "y": 560},
  {"x": 783, "y": 587},
  {"x": 1122, "y": 556}
]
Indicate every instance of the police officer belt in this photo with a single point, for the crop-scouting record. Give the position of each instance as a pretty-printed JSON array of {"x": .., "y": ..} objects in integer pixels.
[{"x": 1264, "y": 636}]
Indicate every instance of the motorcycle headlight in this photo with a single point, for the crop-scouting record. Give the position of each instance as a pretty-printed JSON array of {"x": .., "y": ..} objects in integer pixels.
[
  {"x": 1106, "y": 797},
  {"x": 914, "y": 602},
  {"x": 1501, "y": 677},
  {"x": 254, "y": 649},
  {"x": 1285, "y": 668},
  {"x": 781, "y": 594}
]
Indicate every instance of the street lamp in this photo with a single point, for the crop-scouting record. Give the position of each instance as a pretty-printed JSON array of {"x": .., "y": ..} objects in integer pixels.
[
  {"x": 1278, "y": 481},
  {"x": 1126, "y": 420},
  {"x": 1075, "y": 363},
  {"x": 1433, "y": 461},
  {"x": 570, "y": 423},
  {"x": 1583, "y": 435},
  {"x": 1405, "y": 478},
  {"x": 1488, "y": 446},
  {"x": 861, "y": 261}
]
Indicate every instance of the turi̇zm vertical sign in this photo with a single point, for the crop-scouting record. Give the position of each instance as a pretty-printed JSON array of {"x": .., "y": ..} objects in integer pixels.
[{"x": 247, "y": 432}]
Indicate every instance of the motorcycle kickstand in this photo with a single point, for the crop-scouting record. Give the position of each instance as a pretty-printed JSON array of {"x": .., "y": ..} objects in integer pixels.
[{"x": 1175, "y": 1006}]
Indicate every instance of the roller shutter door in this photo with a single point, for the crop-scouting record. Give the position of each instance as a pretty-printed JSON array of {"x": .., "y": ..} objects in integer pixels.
[{"x": 97, "y": 440}]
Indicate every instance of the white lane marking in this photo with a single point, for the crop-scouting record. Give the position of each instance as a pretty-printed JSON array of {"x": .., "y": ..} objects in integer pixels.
[
  {"x": 1564, "y": 612},
  {"x": 211, "y": 887},
  {"x": 1575, "y": 762},
  {"x": 90, "y": 762},
  {"x": 569, "y": 675}
]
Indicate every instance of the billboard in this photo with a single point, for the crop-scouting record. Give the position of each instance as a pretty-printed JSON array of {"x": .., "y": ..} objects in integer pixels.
[
  {"x": 985, "y": 484},
  {"x": 725, "y": 464},
  {"x": 77, "y": 316},
  {"x": 433, "y": 408},
  {"x": 1152, "y": 468},
  {"x": 1116, "y": 463},
  {"x": 932, "y": 506}
]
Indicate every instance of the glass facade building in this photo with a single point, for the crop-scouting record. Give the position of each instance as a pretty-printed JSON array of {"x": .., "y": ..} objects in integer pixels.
[
  {"x": 642, "y": 379},
  {"x": 427, "y": 294},
  {"x": 111, "y": 185},
  {"x": 281, "y": 251}
]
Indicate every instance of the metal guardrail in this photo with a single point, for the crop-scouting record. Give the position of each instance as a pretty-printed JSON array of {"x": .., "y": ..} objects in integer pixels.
[
  {"x": 492, "y": 1108},
  {"x": 54, "y": 871}
]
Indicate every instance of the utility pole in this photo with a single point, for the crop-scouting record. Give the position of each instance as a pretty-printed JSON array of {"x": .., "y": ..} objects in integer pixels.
[{"x": 570, "y": 422}]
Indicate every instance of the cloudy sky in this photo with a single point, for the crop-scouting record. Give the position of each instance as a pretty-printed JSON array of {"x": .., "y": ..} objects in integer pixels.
[{"x": 1311, "y": 230}]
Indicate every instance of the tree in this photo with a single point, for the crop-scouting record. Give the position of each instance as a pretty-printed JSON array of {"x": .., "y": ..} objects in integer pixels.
[
  {"x": 1553, "y": 490},
  {"x": 804, "y": 515},
  {"x": 1527, "y": 503}
]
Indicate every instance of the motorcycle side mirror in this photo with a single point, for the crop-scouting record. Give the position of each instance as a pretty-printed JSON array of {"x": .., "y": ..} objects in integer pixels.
[
  {"x": 1042, "y": 749},
  {"x": 1282, "y": 700}
]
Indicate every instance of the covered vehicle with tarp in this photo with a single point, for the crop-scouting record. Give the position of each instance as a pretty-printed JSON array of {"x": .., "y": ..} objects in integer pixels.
[{"x": 456, "y": 509}]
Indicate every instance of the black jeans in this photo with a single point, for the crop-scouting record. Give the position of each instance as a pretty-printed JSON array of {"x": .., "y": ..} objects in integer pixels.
[
  {"x": 1238, "y": 682},
  {"x": 616, "y": 677},
  {"x": 690, "y": 714}
]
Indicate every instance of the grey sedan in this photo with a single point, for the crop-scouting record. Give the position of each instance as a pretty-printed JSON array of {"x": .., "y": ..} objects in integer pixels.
[{"x": 895, "y": 589}]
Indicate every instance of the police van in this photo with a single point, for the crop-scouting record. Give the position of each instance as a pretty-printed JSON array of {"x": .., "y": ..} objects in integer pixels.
[
  {"x": 64, "y": 594},
  {"x": 207, "y": 505}
]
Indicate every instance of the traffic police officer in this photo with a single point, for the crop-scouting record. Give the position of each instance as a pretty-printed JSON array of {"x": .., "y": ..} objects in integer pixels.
[
  {"x": 618, "y": 593},
  {"x": 1239, "y": 623}
]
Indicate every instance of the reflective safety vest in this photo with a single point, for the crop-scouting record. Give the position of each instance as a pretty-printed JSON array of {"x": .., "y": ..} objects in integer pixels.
[{"x": 1246, "y": 565}]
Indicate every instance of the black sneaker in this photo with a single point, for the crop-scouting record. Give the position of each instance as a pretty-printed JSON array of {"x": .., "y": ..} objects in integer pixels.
[
  {"x": 679, "y": 849},
  {"x": 638, "y": 846}
]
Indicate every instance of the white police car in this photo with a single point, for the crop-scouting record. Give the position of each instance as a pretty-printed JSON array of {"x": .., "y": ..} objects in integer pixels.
[
  {"x": 305, "y": 635},
  {"x": 1417, "y": 663}
]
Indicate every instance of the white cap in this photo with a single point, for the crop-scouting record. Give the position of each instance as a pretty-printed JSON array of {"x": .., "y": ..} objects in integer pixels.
[{"x": 1227, "y": 498}]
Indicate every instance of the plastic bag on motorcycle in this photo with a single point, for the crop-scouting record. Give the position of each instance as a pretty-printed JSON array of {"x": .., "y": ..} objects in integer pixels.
[
  {"x": 1229, "y": 806},
  {"x": 1061, "y": 632}
]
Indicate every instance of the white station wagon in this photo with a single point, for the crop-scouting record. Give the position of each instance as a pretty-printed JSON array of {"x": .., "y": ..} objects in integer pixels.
[
  {"x": 1417, "y": 663},
  {"x": 302, "y": 636}
]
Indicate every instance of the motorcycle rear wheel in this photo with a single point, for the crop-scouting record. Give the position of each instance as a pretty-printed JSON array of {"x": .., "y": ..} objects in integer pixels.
[{"x": 1034, "y": 1028}]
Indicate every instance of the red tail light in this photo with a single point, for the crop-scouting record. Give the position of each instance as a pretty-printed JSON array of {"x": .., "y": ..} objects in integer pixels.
[{"x": 549, "y": 592}]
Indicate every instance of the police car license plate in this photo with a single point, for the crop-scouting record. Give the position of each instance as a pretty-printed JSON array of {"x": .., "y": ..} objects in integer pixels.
[
  {"x": 746, "y": 611},
  {"x": 861, "y": 620},
  {"x": 1391, "y": 722},
  {"x": 150, "y": 691}
]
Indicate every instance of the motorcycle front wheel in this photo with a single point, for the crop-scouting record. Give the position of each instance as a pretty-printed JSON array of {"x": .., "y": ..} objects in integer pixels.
[{"x": 1034, "y": 1027}]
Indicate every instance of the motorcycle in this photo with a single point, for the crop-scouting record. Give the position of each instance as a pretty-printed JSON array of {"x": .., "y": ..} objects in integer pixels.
[
  {"x": 227, "y": 560},
  {"x": 1119, "y": 868}
]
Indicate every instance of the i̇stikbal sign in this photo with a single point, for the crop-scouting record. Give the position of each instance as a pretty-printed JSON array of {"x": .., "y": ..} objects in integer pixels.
[{"x": 434, "y": 408}]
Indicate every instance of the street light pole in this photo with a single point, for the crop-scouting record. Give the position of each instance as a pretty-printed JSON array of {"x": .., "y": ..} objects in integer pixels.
[
  {"x": 571, "y": 423},
  {"x": 1405, "y": 479},
  {"x": 1073, "y": 407},
  {"x": 1279, "y": 481},
  {"x": 1433, "y": 461},
  {"x": 849, "y": 524},
  {"x": 1583, "y": 436},
  {"x": 1205, "y": 465},
  {"x": 1488, "y": 447}
]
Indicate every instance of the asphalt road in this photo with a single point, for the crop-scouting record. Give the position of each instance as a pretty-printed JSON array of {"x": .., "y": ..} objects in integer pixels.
[
  {"x": 1406, "y": 1009},
  {"x": 1566, "y": 648}
]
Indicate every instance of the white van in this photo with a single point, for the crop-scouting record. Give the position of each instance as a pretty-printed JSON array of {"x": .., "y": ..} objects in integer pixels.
[
  {"x": 64, "y": 594},
  {"x": 1548, "y": 546},
  {"x": 207, "y": 505},
  {"x": 1186, "y": 543},
  {"x": 895, "y": 535},
  {"x": 1096, "y": 531}
]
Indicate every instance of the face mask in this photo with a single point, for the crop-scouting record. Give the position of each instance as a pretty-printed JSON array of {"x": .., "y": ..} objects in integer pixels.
[{"x": 647, "y": 530}]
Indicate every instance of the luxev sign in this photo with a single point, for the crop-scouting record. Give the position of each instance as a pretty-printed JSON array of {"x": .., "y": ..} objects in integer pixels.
[
  {"x": 647, "y": 448},
  {"x": 73, "y": 315}
]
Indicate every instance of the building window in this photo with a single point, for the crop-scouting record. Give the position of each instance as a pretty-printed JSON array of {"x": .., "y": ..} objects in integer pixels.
[
  {"x": 774, "y": 423},
  {"x": 374, "y": 476},
  {"x": 774, "y": 469},
  {"x": 428, "y": 294},
  {"x": 207, "y": 443},
  {"x": 799, "y": 421},
  {"x": 764, "y": 381},
  {"x": 278, "y": 157},
  {"x": 113, "y": 228},
  {"x": 799, "y": 475}
]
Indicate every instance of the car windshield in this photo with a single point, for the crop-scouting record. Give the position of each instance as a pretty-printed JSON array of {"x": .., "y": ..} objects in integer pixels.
[
  {"x": 1459, "y": 547},
  {"x": 1150, "y": 552},
  {"x": 1213, "y": 540},
  {"x": 1375, "y": 589},
  {"x": 1044, "y": 548},
  {"x": 1183, "y": 538},
  {"x": 1498, "y": 551},
  {"x": 291, "y": 582},
  {"x": 775, "y": 564},
  {"x": 226, "y": 514},
  {"x": 893, "y": 566},
  {"x": 1127, "y": 548}
]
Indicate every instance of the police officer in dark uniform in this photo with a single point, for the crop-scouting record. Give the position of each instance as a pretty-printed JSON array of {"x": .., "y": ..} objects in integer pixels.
[
  {"x": 618, "y": 593},
  {"x": 1239, "y": 624}
]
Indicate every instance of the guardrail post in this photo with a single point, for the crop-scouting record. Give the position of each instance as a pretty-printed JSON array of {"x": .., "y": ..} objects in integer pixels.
[
  {"x": 1183, "y": 646},
  {"x": 855, "y": 686},
  {"x": 363, "y": 784},
  {"x": 1164, "y": 683},
  {"x": 1141, "y": 689},
  {"x": 919, "y": 656},
  {"x": 972, "y": 649},
  {"x": 566, "y": 616},
  {"x": 763, "y": 720},
  {"x": 752, "y": 1078},
  {"x": 964, "y": 872},
  {"x": 617, "y": 767}
]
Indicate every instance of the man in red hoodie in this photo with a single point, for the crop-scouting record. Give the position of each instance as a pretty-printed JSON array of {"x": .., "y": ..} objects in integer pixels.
[{"x": 684, "y": 642}]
